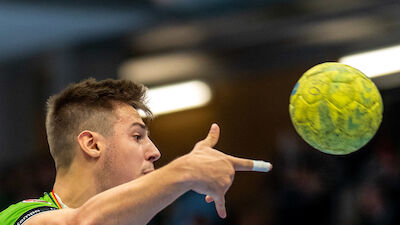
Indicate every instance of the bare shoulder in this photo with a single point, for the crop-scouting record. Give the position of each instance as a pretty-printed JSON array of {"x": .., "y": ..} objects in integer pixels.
[{"x": 55, "y": 217}]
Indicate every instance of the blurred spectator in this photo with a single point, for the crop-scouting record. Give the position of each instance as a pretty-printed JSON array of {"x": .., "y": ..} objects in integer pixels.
[
  {"x": 303, "y": 184},
  {"x": 192, "y": 209},
  {"x": 24, "y": 180}
]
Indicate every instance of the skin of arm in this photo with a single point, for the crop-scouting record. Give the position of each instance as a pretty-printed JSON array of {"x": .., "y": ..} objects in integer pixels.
[
  {"x": 204, "y": 170},
  {"x": 135, "y": 202}
]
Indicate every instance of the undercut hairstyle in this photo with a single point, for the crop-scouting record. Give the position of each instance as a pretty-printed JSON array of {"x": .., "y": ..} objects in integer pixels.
[{"x": 87, "y": 105}]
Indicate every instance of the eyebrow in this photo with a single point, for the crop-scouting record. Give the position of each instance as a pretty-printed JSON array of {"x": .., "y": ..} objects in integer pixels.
[{"x": 141, "y": 125}]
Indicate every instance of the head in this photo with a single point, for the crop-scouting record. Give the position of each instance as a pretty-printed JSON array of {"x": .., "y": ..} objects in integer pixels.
[{"x": 95, "y": 125}]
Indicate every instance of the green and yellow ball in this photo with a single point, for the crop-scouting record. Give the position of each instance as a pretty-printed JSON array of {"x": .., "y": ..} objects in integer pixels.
[{"x": 335, "y": 108}]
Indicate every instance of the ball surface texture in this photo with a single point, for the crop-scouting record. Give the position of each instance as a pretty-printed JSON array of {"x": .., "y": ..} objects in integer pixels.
[{"x": 335, "y": 108}]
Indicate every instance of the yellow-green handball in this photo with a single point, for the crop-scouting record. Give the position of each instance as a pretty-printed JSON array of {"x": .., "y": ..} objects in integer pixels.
[{"x": 335, "y": 108}]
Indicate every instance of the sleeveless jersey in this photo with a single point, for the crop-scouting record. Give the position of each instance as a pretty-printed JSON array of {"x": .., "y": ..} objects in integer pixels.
[{"x": 19, "y": 213}]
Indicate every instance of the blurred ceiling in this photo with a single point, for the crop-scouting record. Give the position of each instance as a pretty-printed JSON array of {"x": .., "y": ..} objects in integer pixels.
[{"x": 253, "y": 29}]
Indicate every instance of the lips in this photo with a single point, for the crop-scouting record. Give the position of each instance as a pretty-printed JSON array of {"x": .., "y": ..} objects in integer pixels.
[{"x": 147, "y": 171}]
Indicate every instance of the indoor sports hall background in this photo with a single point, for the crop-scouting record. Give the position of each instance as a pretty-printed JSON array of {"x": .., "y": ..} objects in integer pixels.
[{"x": 247, "y": 56}]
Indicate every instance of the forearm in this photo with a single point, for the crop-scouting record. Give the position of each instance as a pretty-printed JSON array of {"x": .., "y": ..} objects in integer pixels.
[{"x": 138, "y": 201}]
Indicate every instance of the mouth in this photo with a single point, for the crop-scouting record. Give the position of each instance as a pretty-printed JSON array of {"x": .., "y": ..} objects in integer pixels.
[{"x": 147, "y": 171}]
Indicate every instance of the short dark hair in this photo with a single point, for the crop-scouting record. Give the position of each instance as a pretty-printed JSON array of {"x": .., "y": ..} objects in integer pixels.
[{"x": 87, "y": 105}]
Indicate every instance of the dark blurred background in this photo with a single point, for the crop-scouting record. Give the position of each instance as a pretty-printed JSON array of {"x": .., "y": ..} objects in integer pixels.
[{"x": 250, "y": 53}]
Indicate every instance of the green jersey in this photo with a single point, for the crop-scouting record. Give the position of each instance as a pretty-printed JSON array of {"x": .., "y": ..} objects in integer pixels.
[{"x": 19, "y": 213}]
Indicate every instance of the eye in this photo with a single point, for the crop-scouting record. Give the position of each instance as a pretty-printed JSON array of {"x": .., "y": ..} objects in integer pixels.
[{"x": 138, "y": 137}]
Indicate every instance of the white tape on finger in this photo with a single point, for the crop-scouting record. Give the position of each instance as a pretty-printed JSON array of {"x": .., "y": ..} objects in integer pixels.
[{"x": 261, "y": 166}]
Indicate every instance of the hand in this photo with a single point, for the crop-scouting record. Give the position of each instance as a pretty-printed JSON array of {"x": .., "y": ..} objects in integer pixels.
[{"x": 212, "y": 171}]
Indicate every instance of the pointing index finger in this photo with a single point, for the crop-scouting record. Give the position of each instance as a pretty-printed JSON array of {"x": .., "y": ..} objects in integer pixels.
[{"x": 241, "y": 164}]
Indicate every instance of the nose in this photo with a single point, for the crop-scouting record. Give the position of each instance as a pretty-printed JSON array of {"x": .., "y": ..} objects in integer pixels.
[{"x": 152, "y": 153}]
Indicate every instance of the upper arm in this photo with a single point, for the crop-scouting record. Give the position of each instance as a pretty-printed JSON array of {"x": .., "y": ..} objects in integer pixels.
[{"x": 55, "y": 217}]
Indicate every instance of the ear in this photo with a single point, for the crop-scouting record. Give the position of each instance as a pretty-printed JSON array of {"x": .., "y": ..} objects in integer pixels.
[{"x": 90, "y": 143}]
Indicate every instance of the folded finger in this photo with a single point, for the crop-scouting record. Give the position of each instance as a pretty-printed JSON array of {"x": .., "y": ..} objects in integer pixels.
[
  {"x": 220, "y": 206},
  {"x": 209, "y": 199}
]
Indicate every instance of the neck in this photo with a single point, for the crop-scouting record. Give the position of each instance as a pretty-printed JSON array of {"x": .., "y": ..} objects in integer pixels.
[{"x": 75, "y": 187}]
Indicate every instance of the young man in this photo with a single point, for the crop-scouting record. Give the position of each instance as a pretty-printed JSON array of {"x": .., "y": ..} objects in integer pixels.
[{"x": 104, "y": 161}]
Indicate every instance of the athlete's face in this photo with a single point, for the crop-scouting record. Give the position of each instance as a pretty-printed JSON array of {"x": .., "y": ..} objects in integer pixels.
[{"x": 130, "y": 153}]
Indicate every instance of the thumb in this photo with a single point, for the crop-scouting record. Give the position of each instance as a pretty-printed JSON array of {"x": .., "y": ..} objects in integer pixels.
[{"x": 213, "y": 135}]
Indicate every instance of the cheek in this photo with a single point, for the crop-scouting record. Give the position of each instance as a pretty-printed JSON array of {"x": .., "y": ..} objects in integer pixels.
[
  {"x": 128, "y": 156},
  {"x": 132, "y": 159}
]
